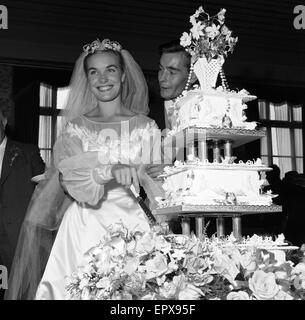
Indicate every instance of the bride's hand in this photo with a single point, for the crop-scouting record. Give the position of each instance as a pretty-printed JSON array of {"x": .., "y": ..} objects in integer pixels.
[{"x": 126, "y": 176}]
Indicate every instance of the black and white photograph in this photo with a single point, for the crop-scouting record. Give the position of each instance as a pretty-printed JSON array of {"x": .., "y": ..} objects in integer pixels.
[{"x": 152, "y": 153}]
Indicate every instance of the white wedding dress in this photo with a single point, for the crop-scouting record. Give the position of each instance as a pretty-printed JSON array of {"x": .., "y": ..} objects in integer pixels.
[{"x": 86, "y": 151}]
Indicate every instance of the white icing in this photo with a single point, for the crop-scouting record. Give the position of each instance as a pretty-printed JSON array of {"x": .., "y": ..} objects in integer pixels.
[
  {"x": 212, "y": 183},
  {"x": 207, "y": 109}
]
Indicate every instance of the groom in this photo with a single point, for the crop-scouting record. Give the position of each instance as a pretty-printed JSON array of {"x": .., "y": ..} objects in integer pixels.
[{"x": 174, "y": 67}]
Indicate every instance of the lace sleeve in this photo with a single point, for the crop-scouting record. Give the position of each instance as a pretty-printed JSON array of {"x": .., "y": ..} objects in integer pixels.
[{"x": 82, "y": 173}]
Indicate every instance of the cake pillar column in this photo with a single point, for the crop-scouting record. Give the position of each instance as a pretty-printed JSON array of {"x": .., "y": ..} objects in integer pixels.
[
  {"x": 191, "y": 151},
  {"x": 186, "y": 226},
  {"x": 216, "y": 151},
  {"x": 228, "y": 148},
  {"x": 203, "y": 150},
  {"x": 199, "y": 226},
  {"x": 236, "y": 224},
  {"x": 220, "y": 223}
]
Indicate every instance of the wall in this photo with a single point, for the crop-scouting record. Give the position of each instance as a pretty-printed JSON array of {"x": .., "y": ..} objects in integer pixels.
[
  {"x": 269, "y": 50},
  {"x": 6, "y": 88}
]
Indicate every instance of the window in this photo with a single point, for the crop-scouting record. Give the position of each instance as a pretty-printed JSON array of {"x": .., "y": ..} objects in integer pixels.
[
  {"x": 283, "y": 143},
  {"x": 52, "y": 101}
]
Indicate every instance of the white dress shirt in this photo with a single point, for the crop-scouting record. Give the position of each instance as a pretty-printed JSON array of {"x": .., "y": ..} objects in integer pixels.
[
  {"x": 168, "y": 104},
  {"x": 2, "y": 149}
]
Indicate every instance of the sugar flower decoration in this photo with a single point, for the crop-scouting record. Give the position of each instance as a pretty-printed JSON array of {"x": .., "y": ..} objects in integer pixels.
[{"x": 208, "y": 36}]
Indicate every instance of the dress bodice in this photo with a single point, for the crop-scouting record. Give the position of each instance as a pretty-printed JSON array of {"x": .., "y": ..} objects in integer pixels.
[
  {"x": 87, "y": 150},
  {"x": 115, "y": 142}
]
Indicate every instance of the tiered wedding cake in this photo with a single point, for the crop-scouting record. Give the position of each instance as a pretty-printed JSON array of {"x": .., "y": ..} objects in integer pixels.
[{"x": 213, "y": 118}]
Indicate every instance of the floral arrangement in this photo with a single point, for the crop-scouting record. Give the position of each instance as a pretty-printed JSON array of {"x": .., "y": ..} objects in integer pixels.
[
  {"x": 209, "y": 36},
  {"x": 158, "y": 265}
]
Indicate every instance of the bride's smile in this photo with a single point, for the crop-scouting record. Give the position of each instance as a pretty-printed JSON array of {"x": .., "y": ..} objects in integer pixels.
[{"x": 105, "y": 76}]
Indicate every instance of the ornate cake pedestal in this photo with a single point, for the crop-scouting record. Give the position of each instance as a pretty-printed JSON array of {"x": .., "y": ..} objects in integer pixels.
[{"x": 187, "y": 137}]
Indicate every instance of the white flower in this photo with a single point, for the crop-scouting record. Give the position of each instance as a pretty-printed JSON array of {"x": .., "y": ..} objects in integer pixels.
[
  {"x": 161, "y": 280},
  {"x": 190, "y": 292},
  {"x": 156, "y": 266},
  {"x": 149, "y": 296},
  {"x": 225, "y": 31},
  {"x": 212, "y": 31},
  {"x": 178, "y": 254},
  {"x": 282, "y": 295},
  {"x": 168, "y": 290},
  {"x": 145, "y": 244},
  {"x": 263, "y": 285},
  {"x": 221, "y": 15},
  {"x": 196, "y": 30},
  {"x": 198, "y": 11},
  {"x": 162, "y": 245},
  {"x": 193, "y": 19},
  {"x": 104, "y": 283},
  {"x": 239, "y": 295},
  {"x": 299, "y": 281},
  {"x": 185, "y": 39},
  {"x": 83, "y": 283},
  {"x": 225, "y": 266},
  {"x": 299, "y": 268},
  {"x": 85, "y": 295},
  {"x": 173, "y": 266}
]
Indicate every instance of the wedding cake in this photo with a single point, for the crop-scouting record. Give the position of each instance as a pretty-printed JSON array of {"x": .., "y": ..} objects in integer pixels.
[{"x": 218, "y": 120}]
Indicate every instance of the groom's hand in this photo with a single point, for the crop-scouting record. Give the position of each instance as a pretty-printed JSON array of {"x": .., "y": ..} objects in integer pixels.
[{"x": 154, "y": 170}]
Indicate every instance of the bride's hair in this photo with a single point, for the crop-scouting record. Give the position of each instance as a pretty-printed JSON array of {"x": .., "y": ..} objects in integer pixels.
[{"x": 134, "y": 92}]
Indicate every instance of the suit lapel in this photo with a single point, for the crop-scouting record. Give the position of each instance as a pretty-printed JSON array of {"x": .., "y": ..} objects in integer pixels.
[{"x": 10, "y": 154}]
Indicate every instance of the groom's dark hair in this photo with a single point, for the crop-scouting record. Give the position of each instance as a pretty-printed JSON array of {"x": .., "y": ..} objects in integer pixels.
[{"x": 172, "y": 47}]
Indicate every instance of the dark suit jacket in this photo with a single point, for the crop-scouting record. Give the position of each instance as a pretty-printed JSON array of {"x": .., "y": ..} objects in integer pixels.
[{"x": 21, "y": 162}]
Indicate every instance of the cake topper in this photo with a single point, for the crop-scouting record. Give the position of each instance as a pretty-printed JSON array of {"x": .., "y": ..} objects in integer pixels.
[{"x": 208, "y": 37}]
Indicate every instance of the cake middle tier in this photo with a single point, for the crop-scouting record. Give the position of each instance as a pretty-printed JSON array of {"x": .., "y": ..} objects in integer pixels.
[{"x": 215, "y": 184}]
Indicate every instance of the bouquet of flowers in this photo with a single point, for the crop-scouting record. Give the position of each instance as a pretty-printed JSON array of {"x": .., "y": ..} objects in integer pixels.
[
  {"x": 209, "y": 36},
  {"x": 157, "y": 265}
]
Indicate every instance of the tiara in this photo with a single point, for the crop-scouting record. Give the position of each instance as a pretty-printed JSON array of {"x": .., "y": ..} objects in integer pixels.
[{"x": 97, "y": 45}]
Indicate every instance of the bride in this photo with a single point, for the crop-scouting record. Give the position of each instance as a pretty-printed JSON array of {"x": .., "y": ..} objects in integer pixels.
[{"x": 99, "y": 157}]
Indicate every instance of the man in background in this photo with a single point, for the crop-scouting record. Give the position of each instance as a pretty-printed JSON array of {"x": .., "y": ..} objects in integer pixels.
[
  {"x": 174, "y": 67},
  {"x": 19, "y": 163}
]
